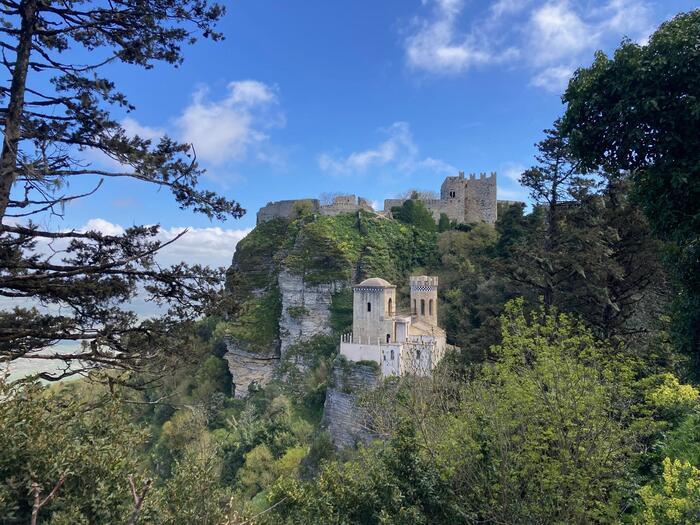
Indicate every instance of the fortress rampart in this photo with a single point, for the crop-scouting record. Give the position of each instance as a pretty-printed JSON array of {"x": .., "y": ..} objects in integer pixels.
[
  {"x": 462, "y": 199},
  {"x": 288, "y": 208}
]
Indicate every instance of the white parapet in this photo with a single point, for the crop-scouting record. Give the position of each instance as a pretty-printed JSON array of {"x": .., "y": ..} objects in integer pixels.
[{"x": 360, "y": 352}]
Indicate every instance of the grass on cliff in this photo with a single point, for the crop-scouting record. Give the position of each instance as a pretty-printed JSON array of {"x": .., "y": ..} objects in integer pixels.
[{"x": 337, "y": 248}]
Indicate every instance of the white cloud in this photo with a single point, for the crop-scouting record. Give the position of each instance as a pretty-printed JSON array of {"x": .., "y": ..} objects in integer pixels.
[
  {"x": 398, "y": 152},
  {"x": 512, "y": 171},
  {"x": 553, "y": 79},
  {"x": 102, "y": 226},
  {"x": 228, "y": 129},
  {"x": 133, "y": 128},
  {"x": 207, "y": 246},
  {"x": 212, "y": 246},
  {"x": 558, "y": 32},
  {"x": 437, "y": 46},
  {"x": 551, "y": 38}
]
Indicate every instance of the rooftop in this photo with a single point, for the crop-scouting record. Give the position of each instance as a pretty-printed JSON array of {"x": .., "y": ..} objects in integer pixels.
[{"x": 376, "y": 282}]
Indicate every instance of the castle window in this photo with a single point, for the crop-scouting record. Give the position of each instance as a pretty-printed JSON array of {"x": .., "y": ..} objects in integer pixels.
[
  {"x": 430, "y": 307},
  {"x": 384, "y": 357},
  {"x": 390, "y": 307},
  {"x": 452, "y": 193},
  {"x": 388, "y": 338},
  {"x": 422, "y": 306},
  {"x": 418, "y": 354},
  {"x": 392, "y": 355},
  {"x": 415, "y": 308},
  {"x": 369, "y": 307}
]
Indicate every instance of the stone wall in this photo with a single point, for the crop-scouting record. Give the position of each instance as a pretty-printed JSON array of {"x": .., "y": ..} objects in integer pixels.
[
  {"x": 340, "y": 204},
  {"x": 346, "y": 422},
  {"x": 306, "y": 310},
  {"x": 480, "y": 199},
  {"x": 346, "y": 204},
  {"x": 285, "y": 209}
]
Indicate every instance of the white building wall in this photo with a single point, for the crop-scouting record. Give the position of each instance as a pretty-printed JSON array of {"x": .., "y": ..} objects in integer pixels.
[
  {"x": 361, "y": 352},
  {"x": 391, "y": 360}
]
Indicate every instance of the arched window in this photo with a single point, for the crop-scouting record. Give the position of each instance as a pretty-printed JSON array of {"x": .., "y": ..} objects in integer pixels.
[
  {"x": 415, "y": 308},
  {"x": 418, "y": 354},
  {"x": 388, "y": 338},
  {"x": 392, "y": 354},
  {"x": 430, "y": 307},
  {"x": 369, "y": 307},
  {"x": 391, "y": 307},
  {"x": 422, "y": 306},
  {"x": 452, "y": 193}
]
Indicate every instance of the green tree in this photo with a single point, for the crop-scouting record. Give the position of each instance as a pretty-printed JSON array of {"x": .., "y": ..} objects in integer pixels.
[
  {"x": 677, "y": 500},
  {"x": 444, "y": 223},
  {"x": 50, "y": 119},
  {"x": 639, "y": 111},
  {"x": 414, "y": 212},
  {"x": 555, "y": 183},
  {"x": 49, "y": 440},
  {"x": 542, "y": 434}
]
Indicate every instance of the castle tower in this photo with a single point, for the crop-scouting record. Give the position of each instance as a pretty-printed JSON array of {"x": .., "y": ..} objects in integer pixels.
[
  {"x": 373, "y": 308},
  {"x": 480, "y": 201},
  {"x": 424, "y": 298},
  {"x": 452, "y": 195}
]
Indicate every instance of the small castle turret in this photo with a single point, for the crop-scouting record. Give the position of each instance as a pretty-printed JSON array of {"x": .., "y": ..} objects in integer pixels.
[
  {"x": 424, "y": 298},
  {"x": 374, "y": 301}
]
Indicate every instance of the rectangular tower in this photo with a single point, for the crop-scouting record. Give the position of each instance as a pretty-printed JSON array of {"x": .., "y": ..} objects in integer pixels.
[{"x": 424, "y": 298}]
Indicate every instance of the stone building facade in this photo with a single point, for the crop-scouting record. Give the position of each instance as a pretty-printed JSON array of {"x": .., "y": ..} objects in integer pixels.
[
  {"x": 409, "y": 343},
  {"x": 462, "y": 199}
]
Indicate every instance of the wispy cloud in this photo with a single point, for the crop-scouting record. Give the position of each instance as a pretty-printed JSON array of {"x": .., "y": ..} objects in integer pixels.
[
  {"x": 551, "y": 38},
  {"x": 397, "y": 152},
  {"x": 436, "y": 45},
  {"x": 229, "y": 128}
]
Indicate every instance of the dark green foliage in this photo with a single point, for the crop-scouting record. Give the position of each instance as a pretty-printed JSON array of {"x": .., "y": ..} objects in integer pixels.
[
  {"x": 444, "y": 223},
  {"x": 639, "y": 111},
  {"x": 256, "y": 327},
  {"x": 396, "y": 485},
  {"x": 414, "y": 213},
  {"x": 341, "y": 311},
  {"x": 253, "y": 262}
]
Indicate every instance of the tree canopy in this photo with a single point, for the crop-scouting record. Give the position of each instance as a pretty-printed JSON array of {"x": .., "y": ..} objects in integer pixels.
[
  {"x": 59, "y": 110},
  {"x": 639, "y": 111}
]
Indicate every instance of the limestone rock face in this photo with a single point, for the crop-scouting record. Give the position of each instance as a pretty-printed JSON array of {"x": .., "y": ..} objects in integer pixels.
[
  {"x": 249, "y": 369},
  {"x": 345, "y": 421},
  {"x": 306, "y": 309}
]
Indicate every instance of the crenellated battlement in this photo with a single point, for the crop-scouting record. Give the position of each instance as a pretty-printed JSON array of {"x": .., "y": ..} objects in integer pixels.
[{"x": 463, "y": 198}]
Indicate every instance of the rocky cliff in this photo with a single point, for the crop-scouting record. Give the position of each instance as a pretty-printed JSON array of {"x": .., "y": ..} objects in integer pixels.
[{"x": 346, "y": 422}]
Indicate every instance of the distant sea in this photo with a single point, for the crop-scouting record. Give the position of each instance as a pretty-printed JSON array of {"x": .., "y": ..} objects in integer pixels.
[{"x": 24, "y": 367}]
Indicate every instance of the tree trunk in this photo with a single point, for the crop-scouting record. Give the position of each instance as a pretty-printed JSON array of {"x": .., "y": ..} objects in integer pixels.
[
  {"x": 551, "y": 239},
  {"x": 13, "y": 118}
]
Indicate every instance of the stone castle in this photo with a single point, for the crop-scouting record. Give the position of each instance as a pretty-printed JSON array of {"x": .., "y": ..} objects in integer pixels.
[
  {"x": 462, "y": 199},
  {"x": 401, "y": 343}
]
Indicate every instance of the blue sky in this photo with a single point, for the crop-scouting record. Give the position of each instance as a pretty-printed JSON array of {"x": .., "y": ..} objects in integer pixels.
[{"x": 364, "y": 97}]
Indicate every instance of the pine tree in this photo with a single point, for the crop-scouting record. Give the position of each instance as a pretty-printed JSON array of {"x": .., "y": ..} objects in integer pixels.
[{"x": 50, "y": 119}]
